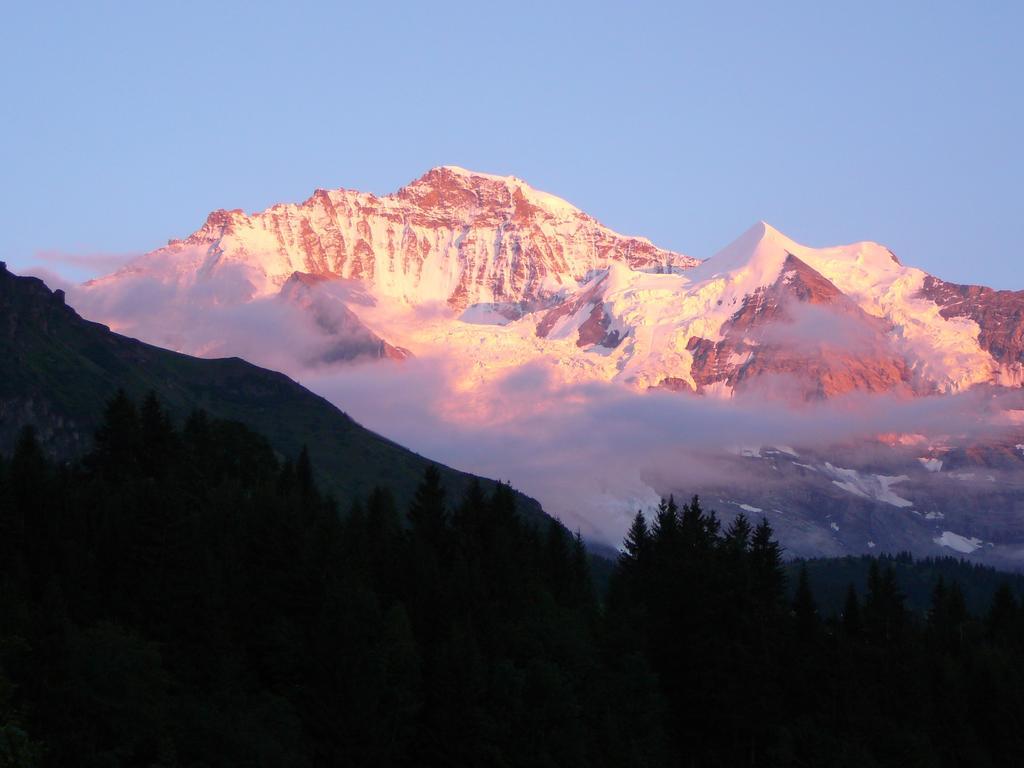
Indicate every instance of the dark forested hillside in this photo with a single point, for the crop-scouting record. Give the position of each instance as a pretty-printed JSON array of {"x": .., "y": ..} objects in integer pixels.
[
  {"x": 57, "y": 370},
  {"x": 915, "y": 577},
  {"x": 180, "y": 596}
]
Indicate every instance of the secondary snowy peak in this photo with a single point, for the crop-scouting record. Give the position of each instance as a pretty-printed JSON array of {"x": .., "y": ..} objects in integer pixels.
[
  {"x": 804, "y": 337},
  {"x": 756, "y": 258},
  {"x": 759, "y": 251},
  {"x": 808, "y": 322},
  {"x": 527, "y": 276},
  {"x": 932, "y": 330},
  {"x": 452, "y": 236}
]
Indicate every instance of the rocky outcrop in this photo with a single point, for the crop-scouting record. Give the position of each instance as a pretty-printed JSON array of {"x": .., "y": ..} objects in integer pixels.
[
  {"x": 451, "y": 236},
  {"x": 453, "y": 255},
  {"x": 585, "y": 315},
  {"x": 803, "y": 334},
  {"x": 999, "y": 315}
]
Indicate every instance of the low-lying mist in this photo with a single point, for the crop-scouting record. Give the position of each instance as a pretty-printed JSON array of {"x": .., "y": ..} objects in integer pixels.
[{"x": 592, "y": 453}]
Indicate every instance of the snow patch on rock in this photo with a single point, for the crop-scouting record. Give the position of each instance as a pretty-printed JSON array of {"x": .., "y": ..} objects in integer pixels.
[
  {"x": 958, "y": 543},
  {"x": 876, "y": 487}
]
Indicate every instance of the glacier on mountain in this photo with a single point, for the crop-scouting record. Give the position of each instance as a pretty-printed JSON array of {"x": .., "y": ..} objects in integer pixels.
[{"x": 491, "y": 307}]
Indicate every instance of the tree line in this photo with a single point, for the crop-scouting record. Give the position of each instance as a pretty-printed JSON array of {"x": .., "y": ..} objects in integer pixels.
[{"x": 182, "y": 596}]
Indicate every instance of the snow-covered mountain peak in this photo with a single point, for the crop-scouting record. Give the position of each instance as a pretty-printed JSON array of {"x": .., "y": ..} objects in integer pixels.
[
  {"x": 452, "y": 236},
  {"x": 494, "y": 251},
  {"x": 456, "y": 190},
  {"x": 762, "y": 232},
  {"x": 754, "y": 259},
  {"x": 757, "y": 257}
]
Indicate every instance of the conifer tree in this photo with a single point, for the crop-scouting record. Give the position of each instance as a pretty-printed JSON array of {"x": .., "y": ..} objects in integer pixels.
[
  {"x": 257, "y": 638},
  {"x": 851, "y": 618},
  {"x": 503, "y": 506},
  {"x": 117, "y": 438},
  {"x": 874, "y": 590},
  {"x": 21, "y": 508},
  {"x": 956, "y": 612},
  {"x": 356, "y": 530},
  {"x": 766, "y": 564},
  {"x": 737, "y": 536},
  {"x": 664, "y": 532},
  {"x": 156, "y": 437},
  {"x": 286, "y": 478},
  {"x": 382, "y": 523},
  {"x": 805, "y": 609},
  {"x": 938, "y": 620},
  {"x": 469, "y": 518},
  {"x": 304, "y": 474},
  {"x": 556, "y": 559},
  {"x": 884, "y": 612},
  {"x": 581, "y": 589},
  {"x": 1002, "y": 621},
  {"x": 692, "y": 525},
  {"x": 630, "y": 580},
  {"x": 428, "y": 515},
  {"x": 197, "y": 428},
  {"x": 28, "y": 472},
  {"x": 637, "y": 544}
]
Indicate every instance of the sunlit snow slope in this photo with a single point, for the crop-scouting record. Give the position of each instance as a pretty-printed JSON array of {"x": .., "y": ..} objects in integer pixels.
[
  {"x": 512, "y": 275},
  {"x": 506, "y": 332}
]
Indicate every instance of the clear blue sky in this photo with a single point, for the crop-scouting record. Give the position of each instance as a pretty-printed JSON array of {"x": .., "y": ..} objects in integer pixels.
[{"x": 123, "y": 124}]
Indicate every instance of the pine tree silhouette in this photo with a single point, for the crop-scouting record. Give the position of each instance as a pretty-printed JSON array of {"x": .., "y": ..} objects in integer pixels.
[
  {"x": 851, "y": 618},
  {"x": 805, "y": 610},
  {"x": 1003, "y": 619},
  {"x": 637, "y": 545},
  {"x": 118, "y": 438},
  {"x": 304, "y": 474},
  {"x": 428, "y": 513},
  {"x": 766, "y": 565}
]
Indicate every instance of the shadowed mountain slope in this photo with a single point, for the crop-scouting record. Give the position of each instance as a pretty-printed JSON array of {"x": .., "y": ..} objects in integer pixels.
[{"x": 57, "y": 371}]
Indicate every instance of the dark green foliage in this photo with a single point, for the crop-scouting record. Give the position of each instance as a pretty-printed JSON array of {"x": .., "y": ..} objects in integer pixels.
[
  {"x": 56, "y": 369},
  {"x": 915, "y": 578},
  {"x": 850, "y": 617},
  {"x": 637, "y": 545},
  {"x": 181, "y": 597},
  {"x": 428, "y": 513},
  {"x": 746, "y": 677},
  {"x": 1003, "y": 618},
  {"x": 805, "y": 609}
]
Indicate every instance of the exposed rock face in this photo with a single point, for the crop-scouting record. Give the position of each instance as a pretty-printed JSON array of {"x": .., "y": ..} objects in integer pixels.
[
  {"x": 451, "y": 236},
  {"x": 489, "y": 275},
  {"x": 872, "y": 497},
  {"x": 999, "y": 315},
  {"x": 488, "y": 269},
  {"x": 585, "y": 315},
  {"x": 830, "y": 350}
]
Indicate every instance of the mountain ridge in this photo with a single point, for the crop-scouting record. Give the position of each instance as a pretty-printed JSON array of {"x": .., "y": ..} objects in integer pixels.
[
  {"x": 492, "y": 250},
  {"x": 517, "y": 293},
  {"x": 450, "y": 236},
  {"x": 59, "y": 369}
]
